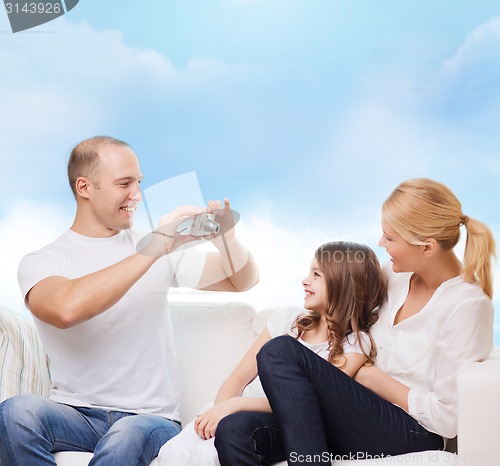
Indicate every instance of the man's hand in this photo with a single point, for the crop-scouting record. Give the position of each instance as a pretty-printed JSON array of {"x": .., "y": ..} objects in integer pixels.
[
  {"x": 167, "y": 236},
  {"x": 169, "y": 224}
]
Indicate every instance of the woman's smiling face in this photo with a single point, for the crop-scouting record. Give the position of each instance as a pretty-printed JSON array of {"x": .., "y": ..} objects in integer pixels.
[{"x": 405, "y": 257}]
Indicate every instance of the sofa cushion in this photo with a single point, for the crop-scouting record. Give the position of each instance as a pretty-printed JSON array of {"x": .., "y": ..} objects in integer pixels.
[
  {"x": 23, "y": 364},
  {"x": 210, "y": 340}
]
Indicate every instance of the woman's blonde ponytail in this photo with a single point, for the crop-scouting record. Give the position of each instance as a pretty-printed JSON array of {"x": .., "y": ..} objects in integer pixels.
[{"x": 478, "y": 255}]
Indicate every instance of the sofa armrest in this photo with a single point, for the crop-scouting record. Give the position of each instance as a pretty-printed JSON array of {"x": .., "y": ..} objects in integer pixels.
[{"x": 479, "y": 412}]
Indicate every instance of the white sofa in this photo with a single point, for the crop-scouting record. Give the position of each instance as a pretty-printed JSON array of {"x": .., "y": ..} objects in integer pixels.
[{"x": 211, "y": 338}]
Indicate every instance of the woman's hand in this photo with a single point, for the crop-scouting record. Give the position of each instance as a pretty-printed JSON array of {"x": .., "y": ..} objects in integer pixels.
[
  {"x": 383, "y": 385},
  {"x": 365, "y": 375},
  {"x": 206, "y": 423}
]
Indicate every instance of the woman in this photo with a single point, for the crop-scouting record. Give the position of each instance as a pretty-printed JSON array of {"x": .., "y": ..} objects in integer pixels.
[{"x": 438, "y": 317}]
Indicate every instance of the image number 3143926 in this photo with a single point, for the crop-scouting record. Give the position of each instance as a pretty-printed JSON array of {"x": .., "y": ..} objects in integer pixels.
[{"x": 29, "y": 14}]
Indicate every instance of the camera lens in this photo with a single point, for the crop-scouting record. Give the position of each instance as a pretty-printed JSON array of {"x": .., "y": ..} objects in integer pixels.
[{"x": 212, "y": 227}]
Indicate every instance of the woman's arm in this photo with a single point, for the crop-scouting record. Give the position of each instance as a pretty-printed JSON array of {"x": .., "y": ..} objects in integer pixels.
[
  {"x": 464, "y": 338},
  {"x": 370, "y": 376},
  {"x": 383, "y": 385},
  {"x": 228, "y": 399}
]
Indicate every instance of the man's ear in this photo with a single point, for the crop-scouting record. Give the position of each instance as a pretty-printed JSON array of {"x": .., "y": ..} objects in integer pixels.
[
  {"x": 82, "y": 186},
  {"x": 430, "y": 247}
]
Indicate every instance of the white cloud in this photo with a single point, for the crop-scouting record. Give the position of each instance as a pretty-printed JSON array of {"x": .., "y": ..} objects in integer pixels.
[
  {"x": 78, "y": 60},
  {"x": 58, "y": 87},
  {"x": 377, "y": 143},
  {"x": 479, "y": 50},
  {"x": 467, "y": 84},
  {"x": 441, "y": 124},
  {"x": 283, "y": 256},
  {"x": 26, "y": 227},
  {"x": 75, "y": 54},
  {"x": 379, "y": 133},
  {"x": 204, "y": 72}
]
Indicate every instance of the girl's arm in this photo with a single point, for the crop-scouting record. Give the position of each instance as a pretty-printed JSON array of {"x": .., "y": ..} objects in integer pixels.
[
  {"x": 228, "y": 399},
  {"x": 353, "y": 352},
  {"x": 353, "y": 363}
]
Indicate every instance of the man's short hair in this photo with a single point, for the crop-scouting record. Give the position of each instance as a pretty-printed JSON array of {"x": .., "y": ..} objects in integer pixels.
[{"x": 84, "y": 159}]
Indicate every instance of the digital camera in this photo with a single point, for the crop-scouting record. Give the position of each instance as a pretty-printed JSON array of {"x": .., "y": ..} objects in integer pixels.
[{"x": 204, "y": 224}]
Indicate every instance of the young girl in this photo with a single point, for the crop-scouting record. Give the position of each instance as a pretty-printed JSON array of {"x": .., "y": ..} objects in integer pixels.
[
  {"x": 438, "y": 316},
  {"x": 344, "y": 286}
]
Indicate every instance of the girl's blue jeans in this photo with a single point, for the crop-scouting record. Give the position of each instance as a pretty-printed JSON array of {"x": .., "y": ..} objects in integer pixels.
[
  {"x": 319, "y": 414},
  {"x": 33, "y": 428}
]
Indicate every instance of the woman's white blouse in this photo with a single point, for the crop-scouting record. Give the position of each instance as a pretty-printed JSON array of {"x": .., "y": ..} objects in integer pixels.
[{"x": 425, "y": 351}]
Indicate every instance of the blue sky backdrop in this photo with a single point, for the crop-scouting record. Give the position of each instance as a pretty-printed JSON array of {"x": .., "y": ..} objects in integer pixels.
[{"x": 305, "y": 113}]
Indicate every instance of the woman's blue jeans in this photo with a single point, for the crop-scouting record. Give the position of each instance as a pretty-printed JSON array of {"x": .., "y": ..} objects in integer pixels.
[
  {"x": 33, "y": 428},
  {"x": 319, "y": 414}
]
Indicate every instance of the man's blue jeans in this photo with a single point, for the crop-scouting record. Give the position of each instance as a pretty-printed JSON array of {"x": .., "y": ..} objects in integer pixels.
[
  {"x": 33, "y": 428},
  {"x": 319, "y": 413}
]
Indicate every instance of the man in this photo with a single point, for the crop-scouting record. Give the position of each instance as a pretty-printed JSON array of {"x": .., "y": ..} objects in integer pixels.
[{"x": 100, "y": 309}]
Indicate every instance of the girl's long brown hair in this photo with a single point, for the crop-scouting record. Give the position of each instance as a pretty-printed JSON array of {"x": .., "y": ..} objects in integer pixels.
[{"x": 356, "y": 287}]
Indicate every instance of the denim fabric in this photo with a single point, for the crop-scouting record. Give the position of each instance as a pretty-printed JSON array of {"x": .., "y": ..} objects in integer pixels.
[
  {"x": 32, "y": 428},
  {"x": 248, "y": 438},
  {"x": 319, "y": 414}
]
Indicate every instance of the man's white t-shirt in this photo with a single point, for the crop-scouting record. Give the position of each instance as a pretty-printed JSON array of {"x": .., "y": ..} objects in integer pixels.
[{"x": 123, "y": 359}]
